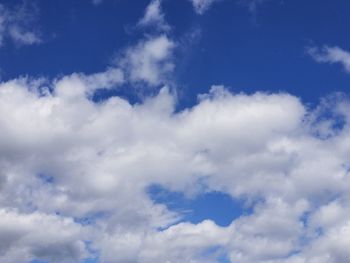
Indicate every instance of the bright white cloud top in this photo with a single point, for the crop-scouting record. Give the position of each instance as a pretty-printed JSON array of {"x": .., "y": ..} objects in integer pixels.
[
  {"x": 74, "y": 173},
  {"x": 100, "y": 158}
]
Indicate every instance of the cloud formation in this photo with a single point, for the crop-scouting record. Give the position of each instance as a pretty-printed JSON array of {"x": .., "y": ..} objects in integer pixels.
[
  {"x": 26, "y": 236},
  {"x": 201, "y": 6},
  {"x": 331, "y": 55},
  {"x": 16, "y": 24},
  {"x": 149, "y": 62},
  {"x": 74, "y": 173},
  {"x": 154, "y": 16},
  {"x": 72, "y": 164}
]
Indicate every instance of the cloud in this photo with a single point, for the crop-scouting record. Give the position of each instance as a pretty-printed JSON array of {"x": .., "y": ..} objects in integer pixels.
[
  {"x": 74, "y": 173},
  {"x": 150, "y": 61},
  {"x": 154, "y": 16},
  {"x": 20, "y": 36},
  {"x": 2, "y": 23},
  {"x": 71, "y": 165},
  {"x": 17, "y": 23},
  {"x": 331, "y": 55},
  {"x": 26, "y": 236},
  {"x": 183, "y": 242},
  {"x": 88, "y": 84},
  {"x": 201, "y": 6}
]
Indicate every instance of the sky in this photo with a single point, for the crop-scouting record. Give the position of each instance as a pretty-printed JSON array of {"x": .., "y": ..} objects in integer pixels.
[{"x": 174, "y": 131}]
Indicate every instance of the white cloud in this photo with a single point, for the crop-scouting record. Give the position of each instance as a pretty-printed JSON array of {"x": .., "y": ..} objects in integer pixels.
[
  {"x": 87, "y": 84},
  {"x": 40, "y": 236},
  {"x": 74, "y": 173},
  {"x": 331, "y": 55},
  {"x": 150, "y": 61},
  {"x": 17, "y": 24},
  {"x": 20, "y": 36},
  {"x": 154, "y": 16},
  {"x": 183, "y": 242},
  {"x": 97, "y": 157},
  {"x": 271, "y": 232},
  {"x": 201, "y": 6}
]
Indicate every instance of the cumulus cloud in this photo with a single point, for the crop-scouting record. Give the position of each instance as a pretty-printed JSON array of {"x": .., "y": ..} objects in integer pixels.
[
  {"x": 72, "y": 165},
  {"x": 150, "y": 61},
  {"x": 331, "y": 55},
  {"x": 88, "y": 84},
  {"x": 183, "y": 242},
  {"x": 16, "y": 24},
  {"x": 154, "y": 16},
  {"x": 74, "y": 173},
  {"x": 24, "y": 236}
]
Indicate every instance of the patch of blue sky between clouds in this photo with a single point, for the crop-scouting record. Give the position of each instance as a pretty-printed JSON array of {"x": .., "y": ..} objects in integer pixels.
[
  {"x": 216, "y": 206},
  {"x": 90, "y": 219},
  {"x": 47, "y": 179}
]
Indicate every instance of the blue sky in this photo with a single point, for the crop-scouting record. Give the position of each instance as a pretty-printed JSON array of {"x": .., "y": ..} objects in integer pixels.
[
  {"x": 174, "y": 131},
  {"x": 263, "y": 50}
]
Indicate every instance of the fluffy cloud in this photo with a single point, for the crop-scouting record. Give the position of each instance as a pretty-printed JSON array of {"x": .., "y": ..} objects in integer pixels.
[
  {"x": 24, "y": 236},
  {"x": 331, "y": 55},
  {"x": 88, "y": 84},
  {"x": 74, "y": 173},
  {"x": 82, "y": 167},
  {"x": 183, "y": 242},
  {"x": 149, "y": 62}
]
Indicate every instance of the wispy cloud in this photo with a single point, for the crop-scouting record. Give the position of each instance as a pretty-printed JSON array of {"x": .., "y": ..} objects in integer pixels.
[
  {"x": 154, "y": 16},
  {"x": 16, "y": 24},
  {"x": 149, "y": 61},
  {"x": 252, "y": 5},
  {"x": 332, "y": 55},
  {"x": 201, "y": 6}
]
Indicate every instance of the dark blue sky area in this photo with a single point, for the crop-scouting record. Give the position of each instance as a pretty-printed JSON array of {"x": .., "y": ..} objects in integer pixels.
[{"x": 246, "y": 51}]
